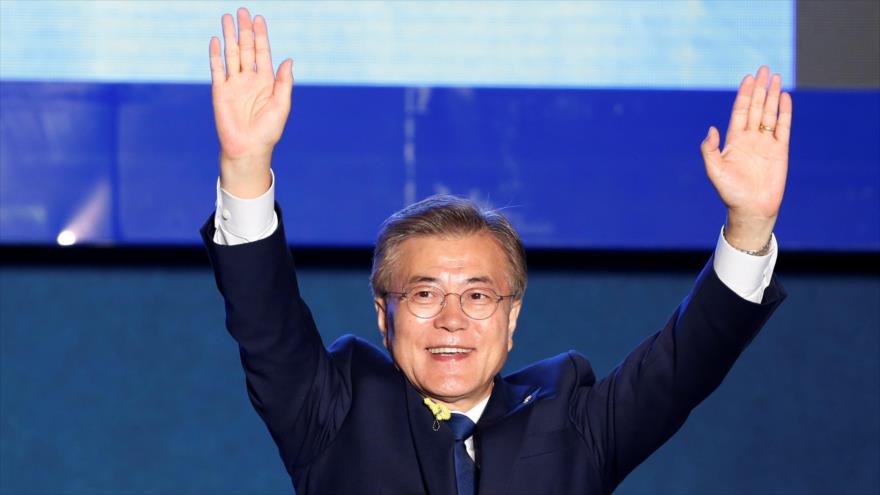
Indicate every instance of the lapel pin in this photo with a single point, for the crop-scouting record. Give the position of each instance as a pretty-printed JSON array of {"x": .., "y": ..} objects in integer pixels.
[{"x": 439, "y": 411}]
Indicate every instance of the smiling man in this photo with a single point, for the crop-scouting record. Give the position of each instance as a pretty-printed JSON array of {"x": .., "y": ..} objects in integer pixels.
[
  {"x": 448, "y": 281},
  {"x": 432, "y": 414}
]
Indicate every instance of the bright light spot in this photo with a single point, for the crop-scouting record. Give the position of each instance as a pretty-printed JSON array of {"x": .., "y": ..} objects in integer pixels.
[{"x": 66, "y": 238}]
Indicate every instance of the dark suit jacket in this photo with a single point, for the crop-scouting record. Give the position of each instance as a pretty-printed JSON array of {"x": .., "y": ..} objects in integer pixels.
[{"x": 347, "y": 421}]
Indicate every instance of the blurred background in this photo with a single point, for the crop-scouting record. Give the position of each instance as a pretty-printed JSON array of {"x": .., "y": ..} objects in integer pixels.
[{"x": 581, "y": 120}]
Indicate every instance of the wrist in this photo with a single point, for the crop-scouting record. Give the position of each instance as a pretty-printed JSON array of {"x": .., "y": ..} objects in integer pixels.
[
  {"x": 763, "y": 251},
  {"x": 749, "y": 235},
  {"x": 246, "y": 176}
]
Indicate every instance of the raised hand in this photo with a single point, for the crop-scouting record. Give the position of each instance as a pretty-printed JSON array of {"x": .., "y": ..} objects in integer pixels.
[
  {"x": 251, "y": 103},
  {"x": 749, "y": 173}
]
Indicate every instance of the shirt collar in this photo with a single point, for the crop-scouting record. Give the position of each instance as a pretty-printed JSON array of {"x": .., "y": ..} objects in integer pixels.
[{"x": 476, "y": 412}]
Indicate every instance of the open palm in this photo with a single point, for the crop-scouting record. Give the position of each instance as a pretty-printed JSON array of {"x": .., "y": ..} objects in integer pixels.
[
  {"x": 251, "y": 102},
  {"x": 750, "y": 172}
]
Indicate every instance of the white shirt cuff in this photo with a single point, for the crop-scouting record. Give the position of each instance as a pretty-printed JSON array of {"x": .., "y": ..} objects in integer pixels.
[
  {"x": 745, "y": 274},
  {"x": 238, "y": 220}
]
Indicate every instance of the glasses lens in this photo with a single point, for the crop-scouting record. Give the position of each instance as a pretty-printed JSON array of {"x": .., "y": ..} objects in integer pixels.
[
  {"x": 479, "y": 304},
  {"x": 424, "y": 301}
]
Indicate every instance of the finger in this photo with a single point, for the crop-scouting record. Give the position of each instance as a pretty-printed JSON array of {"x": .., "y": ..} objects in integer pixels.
[
  {"x": 245, "y": 40},
  {"x": 756, "y": 107},
  {"x": 783, "y": 125},
  {"x": 233, "y": 67},
  {"x": 284, "y": 83},
  {"x": 711, "y": 153},
  {"x": 739, "y": 116},
  {"x": 263, "y": 52},
  {"x": 771, "y": 106},
  {"x": 218, "y": 75}
]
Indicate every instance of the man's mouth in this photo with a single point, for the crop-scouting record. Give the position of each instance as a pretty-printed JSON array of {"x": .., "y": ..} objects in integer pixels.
[{"x": 449, "y": 350}]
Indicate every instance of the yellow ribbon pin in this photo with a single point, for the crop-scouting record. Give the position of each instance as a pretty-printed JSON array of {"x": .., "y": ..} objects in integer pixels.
[{"x": 440, "y": 412}]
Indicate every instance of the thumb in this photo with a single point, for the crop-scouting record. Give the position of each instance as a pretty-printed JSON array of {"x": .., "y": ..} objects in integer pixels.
[
  {"x": 709, "y": 148},
  {"x": 284, "y": 82}
]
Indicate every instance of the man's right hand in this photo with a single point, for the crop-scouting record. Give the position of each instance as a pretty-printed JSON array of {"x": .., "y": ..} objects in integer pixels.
[{"x": 251, "y": 104}]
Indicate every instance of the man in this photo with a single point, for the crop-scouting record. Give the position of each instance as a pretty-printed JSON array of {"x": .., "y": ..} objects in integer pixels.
[{"x": 448, "y": 281}]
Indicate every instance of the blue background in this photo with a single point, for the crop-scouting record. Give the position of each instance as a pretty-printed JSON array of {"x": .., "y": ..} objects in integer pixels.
[{"x": 572, "y": 116}]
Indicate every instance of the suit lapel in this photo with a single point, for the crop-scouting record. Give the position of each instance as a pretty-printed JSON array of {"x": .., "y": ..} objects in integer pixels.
[
  {"x": 433, "y": 448},
  {"x": 500, "y": 433}
]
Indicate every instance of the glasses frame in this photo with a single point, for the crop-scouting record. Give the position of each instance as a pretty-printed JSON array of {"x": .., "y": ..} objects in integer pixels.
[{"x": 403, "y": 295}]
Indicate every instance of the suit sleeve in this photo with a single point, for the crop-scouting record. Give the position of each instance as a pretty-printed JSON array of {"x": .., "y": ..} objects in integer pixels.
[
  {"x": 291, "y": 380},
  {"x": 645, "y": 400}
]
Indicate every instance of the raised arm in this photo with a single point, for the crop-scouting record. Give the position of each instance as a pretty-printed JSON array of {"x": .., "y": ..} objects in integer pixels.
[
  {"x": 646, "y": 399},
  {"x": 251, "y": 103},
  {"x": 292, "y": 382}
]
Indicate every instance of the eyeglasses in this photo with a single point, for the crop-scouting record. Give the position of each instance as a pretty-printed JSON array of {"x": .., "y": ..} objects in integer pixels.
[{"x": 427, "y": 301}]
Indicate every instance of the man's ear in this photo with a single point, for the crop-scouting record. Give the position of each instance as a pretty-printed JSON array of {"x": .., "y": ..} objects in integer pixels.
[
  {"x": 381, "y": 319},
  {"x": 511, "y": 322}
]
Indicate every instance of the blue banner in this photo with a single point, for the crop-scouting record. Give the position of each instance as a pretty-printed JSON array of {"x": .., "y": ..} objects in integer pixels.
[{"x": 136, "y": 164}]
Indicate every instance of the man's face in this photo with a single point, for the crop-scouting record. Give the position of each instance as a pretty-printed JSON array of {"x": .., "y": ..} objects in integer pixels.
[{"x": 453, "y": 264}]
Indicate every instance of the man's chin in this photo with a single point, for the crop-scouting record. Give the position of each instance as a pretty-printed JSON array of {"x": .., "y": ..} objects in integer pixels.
[{"x": 457, "y": 398}]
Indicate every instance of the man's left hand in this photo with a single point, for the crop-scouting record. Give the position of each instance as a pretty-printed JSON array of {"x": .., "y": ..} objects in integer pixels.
[{"x": 749, "y": 174}]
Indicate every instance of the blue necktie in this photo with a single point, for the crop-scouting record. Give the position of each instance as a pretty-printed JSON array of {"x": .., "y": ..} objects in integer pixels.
[{"x": 465, "y": 470}]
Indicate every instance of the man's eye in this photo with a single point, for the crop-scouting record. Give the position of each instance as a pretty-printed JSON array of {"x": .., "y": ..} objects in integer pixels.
[
  {"x": 479, "y": 296},
  {"x": 423, "y": 295}
]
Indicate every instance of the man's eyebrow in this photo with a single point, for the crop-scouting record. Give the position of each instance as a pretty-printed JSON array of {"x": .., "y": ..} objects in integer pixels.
[{"x": 419, "y": 279}]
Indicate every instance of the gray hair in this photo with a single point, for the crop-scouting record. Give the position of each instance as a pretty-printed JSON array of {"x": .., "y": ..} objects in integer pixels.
[{"x": 445, "y": 215}]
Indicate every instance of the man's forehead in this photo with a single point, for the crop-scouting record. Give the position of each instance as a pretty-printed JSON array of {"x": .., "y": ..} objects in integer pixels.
[
  {"x": 473, "y": 258},
  {"x": 477, "y": 247}
]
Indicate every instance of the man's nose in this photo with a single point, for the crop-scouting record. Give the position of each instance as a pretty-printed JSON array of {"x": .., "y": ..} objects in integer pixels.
[{"x": 451, "y": 318}]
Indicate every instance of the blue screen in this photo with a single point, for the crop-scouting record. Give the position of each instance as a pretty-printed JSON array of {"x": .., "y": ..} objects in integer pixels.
[{"x": 581, "y": 119}]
